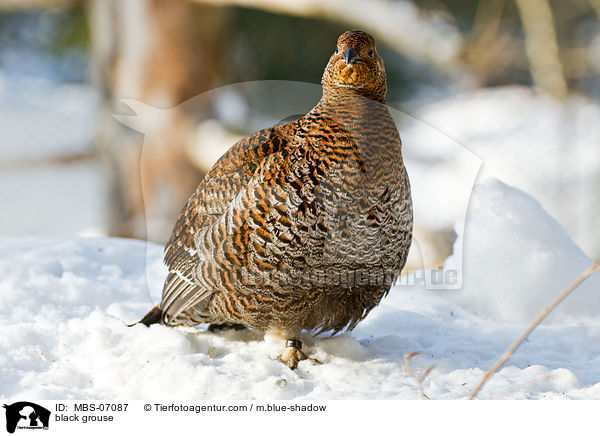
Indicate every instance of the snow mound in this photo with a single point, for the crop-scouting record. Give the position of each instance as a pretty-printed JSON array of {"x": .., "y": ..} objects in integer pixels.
[
  {"x": 544, "y": 146},
  {"x": 517, "y": 258}
]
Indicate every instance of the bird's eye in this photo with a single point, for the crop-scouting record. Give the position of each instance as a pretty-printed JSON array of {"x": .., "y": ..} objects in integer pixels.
[
  {"x": 371, "y": 53},
  {"x": 336, "y": 51}
]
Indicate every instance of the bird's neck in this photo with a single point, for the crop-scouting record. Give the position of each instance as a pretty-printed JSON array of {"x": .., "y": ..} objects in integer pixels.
[
  {"x": 345, "y": 101},
  {"x": 336, "y": 93}
]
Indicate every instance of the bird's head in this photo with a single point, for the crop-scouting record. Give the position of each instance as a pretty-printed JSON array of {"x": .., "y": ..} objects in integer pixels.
[{"x": 355, "y": 65}]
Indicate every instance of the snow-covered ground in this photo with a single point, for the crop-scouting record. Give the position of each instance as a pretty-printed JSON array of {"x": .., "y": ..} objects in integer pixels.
[{"x": 66, "y": 305}]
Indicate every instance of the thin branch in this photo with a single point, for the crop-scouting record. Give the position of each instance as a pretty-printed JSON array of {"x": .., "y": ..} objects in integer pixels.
[
  {"x": 410, "y": 372},
  {"x": 508, "y": 354}
]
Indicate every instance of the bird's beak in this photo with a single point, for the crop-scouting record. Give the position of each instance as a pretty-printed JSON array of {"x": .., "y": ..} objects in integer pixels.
[{"x": 350, "y": 56}]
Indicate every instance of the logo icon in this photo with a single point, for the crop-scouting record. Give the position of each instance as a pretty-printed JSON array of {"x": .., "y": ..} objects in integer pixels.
[{"x": 26, "y": 415}]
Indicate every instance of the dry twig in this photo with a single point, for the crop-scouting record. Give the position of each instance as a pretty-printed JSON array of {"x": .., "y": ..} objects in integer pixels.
[
  {"x": 508, "y": 354},
  {"x": 410, "y": 372}
]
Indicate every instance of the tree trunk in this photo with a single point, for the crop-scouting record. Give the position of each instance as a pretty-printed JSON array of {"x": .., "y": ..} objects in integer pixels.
[{"x": 160, "y": 52}]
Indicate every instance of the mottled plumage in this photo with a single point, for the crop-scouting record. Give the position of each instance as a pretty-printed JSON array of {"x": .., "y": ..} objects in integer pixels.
[{"x": 303, "y": 225}]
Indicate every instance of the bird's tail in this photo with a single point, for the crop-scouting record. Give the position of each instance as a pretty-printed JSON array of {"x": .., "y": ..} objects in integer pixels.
[{"x": 152, "y": 317}]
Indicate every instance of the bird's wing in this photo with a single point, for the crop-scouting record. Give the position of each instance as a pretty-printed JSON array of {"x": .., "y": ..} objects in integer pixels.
[{"x": 213, "y": 197}]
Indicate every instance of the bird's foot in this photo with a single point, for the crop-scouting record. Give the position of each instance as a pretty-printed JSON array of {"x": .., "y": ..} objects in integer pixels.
[{"x": 292, "y": 354}]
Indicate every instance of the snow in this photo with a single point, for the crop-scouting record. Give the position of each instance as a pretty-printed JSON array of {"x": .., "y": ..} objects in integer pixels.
[
  {"x": 530, "y": 258},
  {"x": 541, "y": 145},
  {"x": 67, "y": 303},
  {"x": 42, "y": 122},
  {"x": 40, "y": 119},
  {"x": 35, "y": 200}
]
